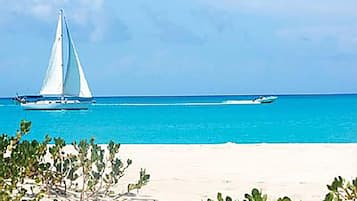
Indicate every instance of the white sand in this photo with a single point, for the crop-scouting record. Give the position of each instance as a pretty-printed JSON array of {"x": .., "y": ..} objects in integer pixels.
[{"x": 196, "y": 172}]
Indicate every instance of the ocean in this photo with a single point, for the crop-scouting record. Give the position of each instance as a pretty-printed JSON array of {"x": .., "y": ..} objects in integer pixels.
[{"x": 195, "y": 120}]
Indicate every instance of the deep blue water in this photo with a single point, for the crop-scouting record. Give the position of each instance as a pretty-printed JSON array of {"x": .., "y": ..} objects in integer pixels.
[{"x": 292, "y": 119}]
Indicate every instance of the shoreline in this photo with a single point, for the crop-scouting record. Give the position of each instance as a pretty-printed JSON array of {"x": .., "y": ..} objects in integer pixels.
[{"x": 234, "y": 143}]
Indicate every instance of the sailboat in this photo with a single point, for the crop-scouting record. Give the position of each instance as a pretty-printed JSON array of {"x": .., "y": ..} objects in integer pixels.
[{"x": 59, "y": 92}]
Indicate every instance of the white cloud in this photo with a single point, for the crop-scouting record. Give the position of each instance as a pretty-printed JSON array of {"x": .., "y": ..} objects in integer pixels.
[
  {"x": 318, "y": 21},
  {"x": 87, "y": 13},
  {"x": 333, "y": 8}
]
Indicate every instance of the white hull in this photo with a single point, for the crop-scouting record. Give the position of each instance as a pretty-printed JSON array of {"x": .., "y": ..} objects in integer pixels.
[
  {"x": 263, "y": 99},
  {"x": 56, "y": 105}
]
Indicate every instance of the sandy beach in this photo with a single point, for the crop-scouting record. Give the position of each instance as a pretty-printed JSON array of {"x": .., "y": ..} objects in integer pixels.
[{"x": 196, "y": 172}]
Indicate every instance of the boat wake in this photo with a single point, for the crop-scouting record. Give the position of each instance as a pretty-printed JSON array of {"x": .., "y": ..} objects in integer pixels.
[
  {"x": 241, "y": 102},
  {"x": 228, "y": 102},
  {"x": 8, "y": 105}
]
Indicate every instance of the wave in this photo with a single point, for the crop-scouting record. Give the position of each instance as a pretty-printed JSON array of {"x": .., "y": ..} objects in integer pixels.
[{"x": 228, "y": 102}]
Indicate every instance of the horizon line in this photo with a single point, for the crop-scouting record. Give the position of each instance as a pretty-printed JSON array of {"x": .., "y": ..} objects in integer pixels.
[{"x": 211, "y": 95}]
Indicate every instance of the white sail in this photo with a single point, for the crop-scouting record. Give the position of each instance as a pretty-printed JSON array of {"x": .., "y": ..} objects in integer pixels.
[
  {"x": 75, "y": 83},
  {"x": 53, "y": 82}
]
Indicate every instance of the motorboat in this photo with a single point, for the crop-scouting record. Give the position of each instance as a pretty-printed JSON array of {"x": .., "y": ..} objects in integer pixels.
[{"x": 265, "y": 99}]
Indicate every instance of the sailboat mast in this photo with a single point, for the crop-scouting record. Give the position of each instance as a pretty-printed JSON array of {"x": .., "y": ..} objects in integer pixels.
[{"x": 62, "y": 66}]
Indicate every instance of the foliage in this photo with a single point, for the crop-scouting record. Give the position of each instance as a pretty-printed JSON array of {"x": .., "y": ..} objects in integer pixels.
[
  {"x": 285, "y": 198},
  {"x": 20, "y": 160},
  {"x": 339, "y": 190},
  {"x": 220, "y": 198},
  {"x": 31, "y": 170},
  {"x": 98, "y": 174},
  {"x": 255, "y": 195},
  {"x": 143, "y": 180},
  {"x": 342, "y": 190}
]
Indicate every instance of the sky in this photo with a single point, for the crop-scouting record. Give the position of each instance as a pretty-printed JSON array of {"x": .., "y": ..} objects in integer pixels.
[{"x": 186, "y": 47}]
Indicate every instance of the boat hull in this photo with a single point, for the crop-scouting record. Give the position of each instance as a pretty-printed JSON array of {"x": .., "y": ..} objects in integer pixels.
[
  {"x": 48, "y": 105},
  {"x": 264, "y": 100}
]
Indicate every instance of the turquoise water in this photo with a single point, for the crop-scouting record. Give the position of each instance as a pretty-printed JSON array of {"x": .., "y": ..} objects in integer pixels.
[{"x": 201, "y": 119}]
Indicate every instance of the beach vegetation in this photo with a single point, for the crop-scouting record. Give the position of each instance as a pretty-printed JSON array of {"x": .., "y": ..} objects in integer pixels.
[
  {"x": 143, "y": 180},
  {"x": 255, "y": 195},
  {"x": 221, "y": 198},
  {"x": 341, "y": 190},
  {"x": 20, "y": 160},
  {"x": 31, "y": 170}
]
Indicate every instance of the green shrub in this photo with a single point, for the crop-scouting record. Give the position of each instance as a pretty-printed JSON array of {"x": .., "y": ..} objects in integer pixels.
[
  {"x": 20, "y": 160},
  {"x": 143, "y": 180},
  {"x": 342, "y": 190},
  {"x": 220, "y": 198},
  {"x": 339, "y": 190},
  {"x": 25, "y": 173},
  {"x": 255, "y": 195}
]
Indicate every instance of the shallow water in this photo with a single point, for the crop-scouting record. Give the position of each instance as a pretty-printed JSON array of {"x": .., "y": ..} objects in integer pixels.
[{"x": 195, "y": 120}]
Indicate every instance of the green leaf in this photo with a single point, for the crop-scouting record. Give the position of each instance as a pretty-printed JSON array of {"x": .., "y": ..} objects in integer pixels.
[{"x": 219, "y": 197}]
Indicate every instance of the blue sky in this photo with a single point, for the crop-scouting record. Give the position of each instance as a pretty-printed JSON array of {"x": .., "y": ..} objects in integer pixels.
[{"x": 186, "y": 47}]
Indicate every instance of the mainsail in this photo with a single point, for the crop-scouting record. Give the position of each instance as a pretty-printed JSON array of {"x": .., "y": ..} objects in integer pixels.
[
  {"x": 75, "y": 83},
  {"x": 53, "y": 82}
]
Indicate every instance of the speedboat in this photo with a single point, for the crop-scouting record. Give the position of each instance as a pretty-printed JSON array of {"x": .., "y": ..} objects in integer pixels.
[{"x": 265, "y": 99}]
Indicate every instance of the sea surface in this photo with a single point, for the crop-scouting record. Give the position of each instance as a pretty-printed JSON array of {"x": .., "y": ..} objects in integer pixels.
[{"x": 195, "y": 120}]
